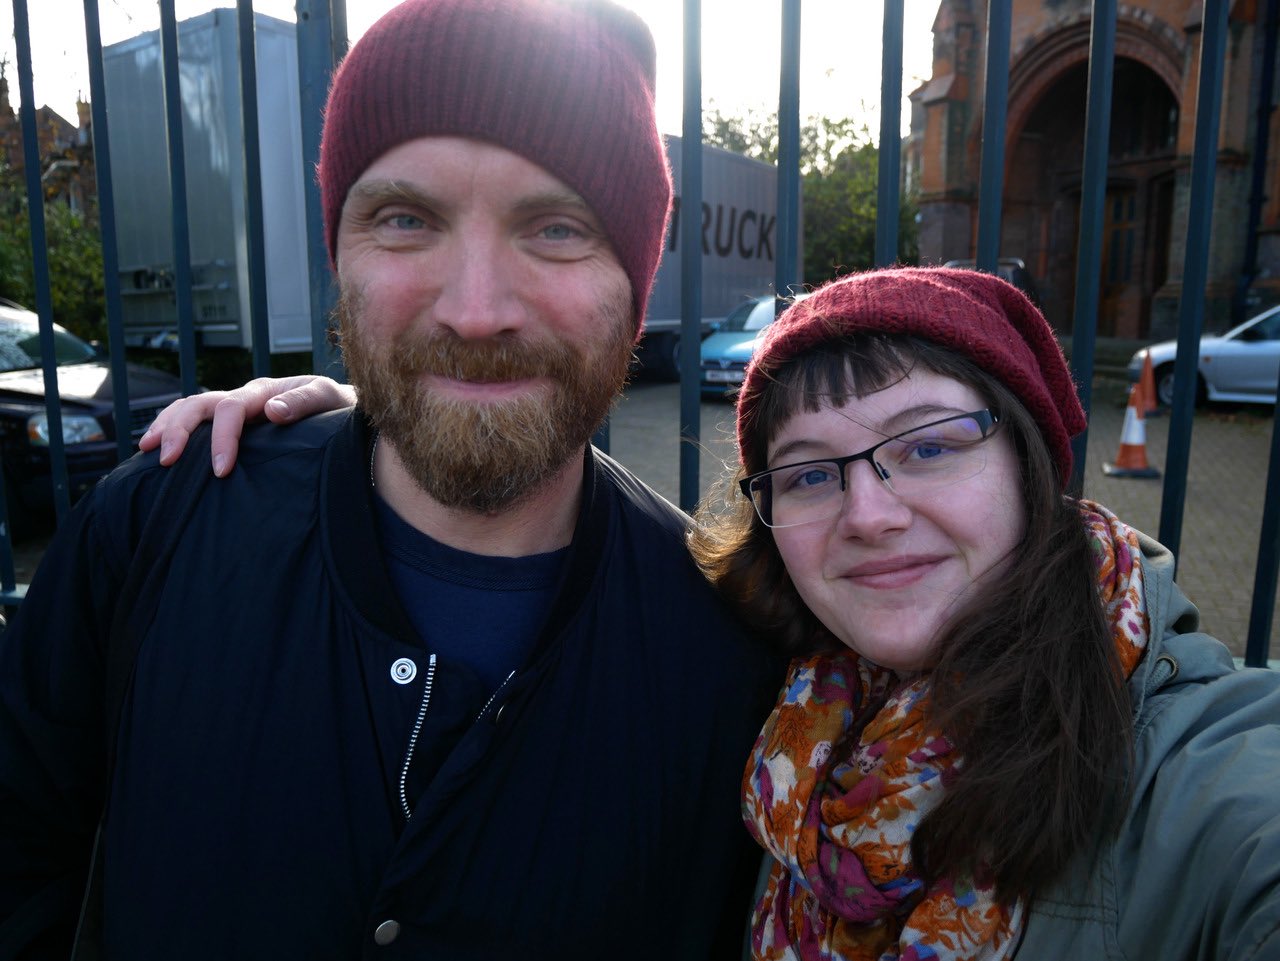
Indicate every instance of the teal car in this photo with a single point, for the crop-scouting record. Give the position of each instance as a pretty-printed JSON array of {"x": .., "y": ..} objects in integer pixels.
[{"x": 725, "y": 353}]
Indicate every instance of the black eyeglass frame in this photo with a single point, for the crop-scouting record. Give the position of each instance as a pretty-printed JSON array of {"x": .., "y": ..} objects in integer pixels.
[{"x": 987, "y": 421}]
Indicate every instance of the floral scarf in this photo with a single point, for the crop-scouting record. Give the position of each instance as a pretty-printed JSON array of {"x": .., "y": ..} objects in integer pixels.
[{"x": 839, "y": 825}]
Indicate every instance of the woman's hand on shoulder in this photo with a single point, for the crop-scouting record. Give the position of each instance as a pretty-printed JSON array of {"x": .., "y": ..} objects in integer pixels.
[{"x": 281, "y": 399}]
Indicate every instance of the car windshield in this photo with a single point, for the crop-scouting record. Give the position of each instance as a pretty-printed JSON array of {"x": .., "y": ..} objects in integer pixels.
[
  {"x": 753, "y": 315},
  {"x": 20, "y": 346}
]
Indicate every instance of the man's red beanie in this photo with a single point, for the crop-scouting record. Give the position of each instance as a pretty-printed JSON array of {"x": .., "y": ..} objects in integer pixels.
[
  {"x": 566, "y": 85},
  {"x": 975, "y": 314}
]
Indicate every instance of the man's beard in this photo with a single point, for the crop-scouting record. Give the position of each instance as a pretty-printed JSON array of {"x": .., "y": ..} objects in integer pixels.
[{"x": 485, "y": 455}]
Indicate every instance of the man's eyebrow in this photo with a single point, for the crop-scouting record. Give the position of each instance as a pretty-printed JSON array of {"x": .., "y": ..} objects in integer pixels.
[
  {"x": 386, "y": 191},
  {"x": 389, "y": 190},
  {"x": 554, "y": 199}
]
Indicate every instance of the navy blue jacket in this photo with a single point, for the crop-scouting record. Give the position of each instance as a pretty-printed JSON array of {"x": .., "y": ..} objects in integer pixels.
[{"x": 590, "y": 810}]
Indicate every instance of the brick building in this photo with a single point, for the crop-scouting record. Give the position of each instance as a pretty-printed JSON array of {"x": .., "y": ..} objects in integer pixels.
[
  {"x": 66, "y": 153},
  {"x": 1151, "y": 142}
]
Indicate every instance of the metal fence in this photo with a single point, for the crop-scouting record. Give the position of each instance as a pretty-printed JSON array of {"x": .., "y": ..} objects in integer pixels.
[{"x": 321, "y": 38}]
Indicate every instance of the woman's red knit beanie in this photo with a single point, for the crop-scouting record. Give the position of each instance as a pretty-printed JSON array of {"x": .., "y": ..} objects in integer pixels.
[
  {"x": 975, "y": 314},
  {"x": 566, "y": 85}
]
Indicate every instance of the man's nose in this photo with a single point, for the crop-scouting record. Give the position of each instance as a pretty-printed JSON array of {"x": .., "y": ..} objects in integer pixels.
[
  {"x": 869, "y": 510},
  {"x": 479, "y": 294}
]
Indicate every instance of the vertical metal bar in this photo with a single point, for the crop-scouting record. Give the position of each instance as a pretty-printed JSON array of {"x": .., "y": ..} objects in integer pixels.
[
  {"x": 994, "y": 110},
  {"x": 888, "y": 187},
  {"x": 691, "y": 258},
  {"x": 322, "y": 41},
  {"x": 1262, "y": 607},
  {"x": 178, "y": 194},
  {"x": 785, "y": 273},
  {"x": 1195, "y": 268},
  {"x": 1093, "y": 198},
  {"x": 1258, "y": 181},
  {"x": 107, "y": 230},
  {"x": 253, "y": 218},
  {"x": 1261, "y": 612},
  {"x": 40, "y": 258}
]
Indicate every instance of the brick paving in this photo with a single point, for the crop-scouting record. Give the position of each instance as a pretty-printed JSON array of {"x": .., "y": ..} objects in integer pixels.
[
  {"x": 1230, "y": 449},
  {"x": 1229, "y": 453}
]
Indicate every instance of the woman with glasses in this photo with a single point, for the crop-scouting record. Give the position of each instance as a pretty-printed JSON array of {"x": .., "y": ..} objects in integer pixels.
[{"x": 1001, "y": 733}]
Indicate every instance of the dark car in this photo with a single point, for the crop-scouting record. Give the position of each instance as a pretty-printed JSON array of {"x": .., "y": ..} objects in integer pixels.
[{"x": 88, "y": 421}]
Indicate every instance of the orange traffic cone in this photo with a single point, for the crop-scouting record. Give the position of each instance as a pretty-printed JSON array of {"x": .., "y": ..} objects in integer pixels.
[
  {"x": 1132, "y": 459},
  {"x": 1150, "y": 405}
]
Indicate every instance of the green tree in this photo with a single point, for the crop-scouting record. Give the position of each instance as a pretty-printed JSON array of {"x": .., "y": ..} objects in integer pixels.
[
  {"x": 840, "y": 206},
  {"x": 839, "y": 175},
  {"x": 15, "y": 247},
  {"x": 75, "y": 260}
]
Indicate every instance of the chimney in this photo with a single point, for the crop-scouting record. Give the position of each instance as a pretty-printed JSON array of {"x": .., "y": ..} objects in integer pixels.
[{"x": 84, "y": 119}]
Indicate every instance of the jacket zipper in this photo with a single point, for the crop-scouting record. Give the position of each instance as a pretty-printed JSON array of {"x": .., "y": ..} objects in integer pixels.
[
  {"x": 413, "y": 738},
  {"x": 494, "y": 696},
  {"x": 417, "y": 728}
]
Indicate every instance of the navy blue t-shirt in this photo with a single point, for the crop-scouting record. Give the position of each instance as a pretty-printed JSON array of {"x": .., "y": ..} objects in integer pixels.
[{"x": 469, "y": 609}]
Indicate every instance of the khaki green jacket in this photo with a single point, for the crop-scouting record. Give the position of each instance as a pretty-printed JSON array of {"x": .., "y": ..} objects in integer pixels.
[{"x": 1194, "y": 872}]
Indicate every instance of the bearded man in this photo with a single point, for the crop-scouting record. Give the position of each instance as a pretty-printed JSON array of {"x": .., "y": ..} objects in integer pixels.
[{"x": 429, "y": 677}]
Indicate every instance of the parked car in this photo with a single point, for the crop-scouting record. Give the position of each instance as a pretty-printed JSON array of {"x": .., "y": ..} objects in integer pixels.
[
  {"x": 1012, "y": 269},
  {"x": 725, "y": 353},
  {"x": 88, "y": 421},
  {"x": 1241, "y": 365}
]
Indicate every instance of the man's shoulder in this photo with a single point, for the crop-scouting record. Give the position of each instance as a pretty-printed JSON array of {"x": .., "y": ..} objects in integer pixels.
[
  {"x": 638, "y": 498},
  {"x": 263, "y": 443},
  {"x": 125, "y": 498}
]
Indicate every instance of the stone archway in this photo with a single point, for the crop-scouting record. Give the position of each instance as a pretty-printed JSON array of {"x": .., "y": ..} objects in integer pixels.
[{"x": 1044, "y": 157}]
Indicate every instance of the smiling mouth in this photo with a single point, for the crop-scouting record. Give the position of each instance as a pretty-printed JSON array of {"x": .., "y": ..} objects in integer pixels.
[
  {"x": 482, "y": 388},
  {"x": 889, "y": 574}
]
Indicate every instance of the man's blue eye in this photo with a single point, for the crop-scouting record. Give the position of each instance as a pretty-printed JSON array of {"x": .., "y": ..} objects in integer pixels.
[
  {"x": 559, "y": 232},
  {"x": 405, "y": 222}
]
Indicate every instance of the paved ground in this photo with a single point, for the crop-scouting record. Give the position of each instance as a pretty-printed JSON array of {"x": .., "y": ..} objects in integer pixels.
[{"x": 1229, "y": 454}]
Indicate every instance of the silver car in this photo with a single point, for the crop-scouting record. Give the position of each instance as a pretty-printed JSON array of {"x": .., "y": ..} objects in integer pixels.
[{"x": 1241, "y": 365}]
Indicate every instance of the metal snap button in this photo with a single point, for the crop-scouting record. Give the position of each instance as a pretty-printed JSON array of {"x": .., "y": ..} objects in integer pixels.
[
  {"x": 387, "y": 931},
  {"x": 402, "y": 672}
]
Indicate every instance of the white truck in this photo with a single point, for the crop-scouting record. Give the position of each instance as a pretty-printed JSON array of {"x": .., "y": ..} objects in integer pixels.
[
  {"x": 739, "y": 247},
  {"x": 739, "y": 210}
]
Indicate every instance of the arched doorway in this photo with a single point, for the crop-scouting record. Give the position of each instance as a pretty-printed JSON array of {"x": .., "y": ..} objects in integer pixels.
[{"x": 1042, "y": 194}]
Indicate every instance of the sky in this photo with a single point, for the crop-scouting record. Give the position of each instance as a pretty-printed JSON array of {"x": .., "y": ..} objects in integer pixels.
[{"x": 840, "y": 50}]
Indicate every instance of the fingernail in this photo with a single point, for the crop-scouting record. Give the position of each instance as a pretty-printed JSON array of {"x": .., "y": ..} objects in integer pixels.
[
  {"x": 279, "y": 406},
  {"x": 166, "y": 450},
  {"x": 219, "y": 463}
]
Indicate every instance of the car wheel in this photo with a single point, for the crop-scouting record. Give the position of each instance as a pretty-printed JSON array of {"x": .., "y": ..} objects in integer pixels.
[
  {"x": 1164, "y": 386},
  {"x": 665, "y": 356}
]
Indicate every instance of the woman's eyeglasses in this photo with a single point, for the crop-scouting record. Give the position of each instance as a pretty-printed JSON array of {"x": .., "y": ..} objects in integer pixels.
[{"x": 916, "y": 461}]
